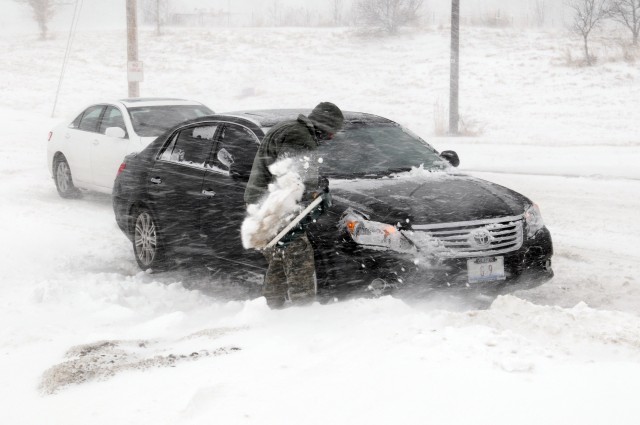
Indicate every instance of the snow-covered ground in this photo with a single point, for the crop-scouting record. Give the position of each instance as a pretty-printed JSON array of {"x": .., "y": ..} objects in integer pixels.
[{"x": 565, "y": 352}]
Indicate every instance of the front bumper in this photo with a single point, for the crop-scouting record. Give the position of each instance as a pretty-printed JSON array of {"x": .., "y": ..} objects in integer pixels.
[{"x": 356, "y": 266}]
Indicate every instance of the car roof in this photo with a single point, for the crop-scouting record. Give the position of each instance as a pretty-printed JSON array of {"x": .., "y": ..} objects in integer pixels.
[
  {"x": 269, "y": 117},
  {"x": 155, "y": 101}
]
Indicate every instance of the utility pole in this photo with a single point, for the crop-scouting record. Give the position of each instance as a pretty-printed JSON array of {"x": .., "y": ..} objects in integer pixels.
[
  {"x": 158, "y": 17},
  {"x": 132, "y": 50},
  {"x": 454, "y": 116}
]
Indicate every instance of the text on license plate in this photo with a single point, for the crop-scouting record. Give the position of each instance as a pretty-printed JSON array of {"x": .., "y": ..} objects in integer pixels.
[{"x": 485, "y": 269}]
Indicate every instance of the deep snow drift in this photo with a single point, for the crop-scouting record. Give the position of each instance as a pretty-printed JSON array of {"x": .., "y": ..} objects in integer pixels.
[{"x": 70, "y": 290}]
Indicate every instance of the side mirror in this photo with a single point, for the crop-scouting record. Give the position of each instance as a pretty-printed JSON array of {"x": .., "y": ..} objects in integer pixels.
[
  {"x": 451, "y": 157},
  {"x": 116, "y": 132}
]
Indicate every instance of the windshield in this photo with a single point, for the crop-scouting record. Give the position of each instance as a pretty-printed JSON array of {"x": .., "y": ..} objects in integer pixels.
[
  {"x": 372, "y": 149},
  {"x": 152, "y": 121}
]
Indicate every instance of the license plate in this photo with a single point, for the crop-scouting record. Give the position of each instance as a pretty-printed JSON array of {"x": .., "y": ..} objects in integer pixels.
[{"x": 486, "y": 269}]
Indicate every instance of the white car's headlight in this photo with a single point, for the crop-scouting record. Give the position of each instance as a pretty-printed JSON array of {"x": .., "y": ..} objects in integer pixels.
[
  {"x": 373, "y": 233},
  {"x": 534, "y": 220}
]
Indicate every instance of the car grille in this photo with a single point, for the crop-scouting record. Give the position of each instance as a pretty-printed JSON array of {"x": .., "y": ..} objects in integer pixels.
[{"x": 469, "y": 238}]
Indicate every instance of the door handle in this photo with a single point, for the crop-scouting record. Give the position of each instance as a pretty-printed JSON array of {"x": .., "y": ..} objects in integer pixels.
[
  {"x": 156, "y": 180},
  {"x": 208, "y": 192},
  {"x": 96, "y": 142},
  {"x": 67, "y": 136}
]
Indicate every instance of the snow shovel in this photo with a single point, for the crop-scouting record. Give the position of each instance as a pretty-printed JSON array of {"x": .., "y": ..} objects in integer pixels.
[{"x": 295, "y": 221}]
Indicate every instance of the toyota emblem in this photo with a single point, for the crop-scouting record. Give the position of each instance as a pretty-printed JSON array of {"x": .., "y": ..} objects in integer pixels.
[{"x": 480, "y": 238}]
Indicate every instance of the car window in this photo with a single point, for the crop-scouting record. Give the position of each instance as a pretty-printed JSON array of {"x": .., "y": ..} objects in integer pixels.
[
  {"x": 190, "y": 146},
  {"x": 76, "y": 122},
  {"x": 90, "y": 118},
  {"x": 112, "y": 118},
  {"x": 152, "y": 121},
  {"x": 236, "y": 150}
]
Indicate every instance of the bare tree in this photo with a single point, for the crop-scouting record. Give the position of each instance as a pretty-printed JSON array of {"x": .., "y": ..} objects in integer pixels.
[
  {"x": 540, "y": 11},
  {"x": 43, "y": 12},
  {"x": 588, "y": 15},
  {"x": 627, "y": 12},
  {"x": 273, "y": 12},
  {"x": 337, "y": 11},
  {"x": 296, "y": 16},
  {"x": 155, "y": 12},
  {"x": 388, "y": 15}
]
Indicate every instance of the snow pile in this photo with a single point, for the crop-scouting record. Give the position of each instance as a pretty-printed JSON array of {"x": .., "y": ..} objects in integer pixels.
[
  {"x": 421, "y": 173},
  {"x": 265, "y": 219}
]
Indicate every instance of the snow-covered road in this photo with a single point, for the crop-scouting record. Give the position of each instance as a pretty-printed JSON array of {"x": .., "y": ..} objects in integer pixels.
[
  {"x": 565, "y": 352},
  {"x": 568, "y": 351}
]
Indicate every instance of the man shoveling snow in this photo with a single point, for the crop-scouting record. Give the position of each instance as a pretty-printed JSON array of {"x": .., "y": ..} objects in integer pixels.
[{"x": 284, "y": 177}]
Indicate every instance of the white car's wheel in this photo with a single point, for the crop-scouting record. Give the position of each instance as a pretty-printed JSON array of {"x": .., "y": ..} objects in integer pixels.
[{"x": 63, "y": 178}]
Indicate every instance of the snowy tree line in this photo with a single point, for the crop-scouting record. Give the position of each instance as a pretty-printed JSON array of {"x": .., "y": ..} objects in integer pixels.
[
  {"x": 590, "y": 15},
  {"x": 582, "y": 17}
]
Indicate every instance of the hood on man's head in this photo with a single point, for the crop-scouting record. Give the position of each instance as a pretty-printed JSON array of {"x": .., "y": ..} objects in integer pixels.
[{"x": 327, "y": 117}]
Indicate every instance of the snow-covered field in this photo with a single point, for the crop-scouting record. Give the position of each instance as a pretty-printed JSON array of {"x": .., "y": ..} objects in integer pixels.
[{"x": 566, "y": 352}]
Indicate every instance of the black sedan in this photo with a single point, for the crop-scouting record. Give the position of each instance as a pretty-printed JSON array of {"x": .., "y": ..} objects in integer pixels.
[{"x": 400, "y": 216}]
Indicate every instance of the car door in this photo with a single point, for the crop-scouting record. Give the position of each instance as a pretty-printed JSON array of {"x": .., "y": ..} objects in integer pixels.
[
  {"x": 107, "y": 152},
  {"x": 175, "y": 184},
  {"x": 224, "y": 183},
  {"x": 79, "y": 138}
]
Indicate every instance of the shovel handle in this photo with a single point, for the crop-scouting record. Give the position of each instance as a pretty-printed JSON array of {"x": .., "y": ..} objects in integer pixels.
[{"x": 295, "y": 221}]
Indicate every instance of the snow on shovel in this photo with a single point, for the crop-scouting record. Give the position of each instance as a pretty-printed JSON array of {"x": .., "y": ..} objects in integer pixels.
[
  {"x": 279, "y": 206},
  {"x": 295, "y": 221}
]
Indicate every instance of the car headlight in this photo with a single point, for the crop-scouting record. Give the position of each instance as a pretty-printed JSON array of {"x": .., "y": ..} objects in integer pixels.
[
  {"x": 373, "y": 233},
  {"x": 534, "y": 220}
]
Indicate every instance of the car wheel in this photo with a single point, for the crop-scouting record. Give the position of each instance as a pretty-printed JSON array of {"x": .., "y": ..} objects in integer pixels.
[
  {"x": 63, "y": 179},
  {"x": 147, "y": 245}
]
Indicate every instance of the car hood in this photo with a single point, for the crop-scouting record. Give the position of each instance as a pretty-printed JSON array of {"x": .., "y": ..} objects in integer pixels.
[{"x": 427, "y": 199}]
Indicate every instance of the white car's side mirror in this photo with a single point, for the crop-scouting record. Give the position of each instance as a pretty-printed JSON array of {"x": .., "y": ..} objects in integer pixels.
[{"x": 116, "y": 132}]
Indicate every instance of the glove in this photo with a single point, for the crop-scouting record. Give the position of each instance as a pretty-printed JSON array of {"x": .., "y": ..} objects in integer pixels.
[
  {"x": 300, "y": 229},
  {"x": 323, "y": 187},
  {"x": 323, "y": 184}
]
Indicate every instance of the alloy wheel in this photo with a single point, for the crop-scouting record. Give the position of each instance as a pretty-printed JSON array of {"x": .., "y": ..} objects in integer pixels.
[
  {"x": 145, "y": 238},
  {"x": 63, "y": 176}
]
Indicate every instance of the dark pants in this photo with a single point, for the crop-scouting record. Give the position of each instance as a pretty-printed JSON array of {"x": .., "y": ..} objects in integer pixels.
[{"x": 291, "y": 274}]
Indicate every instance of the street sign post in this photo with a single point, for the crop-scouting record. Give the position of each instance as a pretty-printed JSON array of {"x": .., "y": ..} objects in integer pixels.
[{"x": 135, "y": 72}]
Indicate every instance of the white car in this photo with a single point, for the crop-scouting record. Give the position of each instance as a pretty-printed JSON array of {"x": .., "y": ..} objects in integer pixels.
[{"x": 87, "y": 152}]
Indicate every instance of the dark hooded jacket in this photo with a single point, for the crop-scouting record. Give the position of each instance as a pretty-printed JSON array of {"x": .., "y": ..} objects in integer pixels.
[{"x": 288, "y": 139}]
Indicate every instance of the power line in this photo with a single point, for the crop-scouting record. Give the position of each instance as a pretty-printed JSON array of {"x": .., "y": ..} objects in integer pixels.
[{"x": 67, "y": 53}]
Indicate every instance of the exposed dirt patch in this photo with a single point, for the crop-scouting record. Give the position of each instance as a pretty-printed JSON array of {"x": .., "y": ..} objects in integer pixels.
[{"x": 100, "y": 360}]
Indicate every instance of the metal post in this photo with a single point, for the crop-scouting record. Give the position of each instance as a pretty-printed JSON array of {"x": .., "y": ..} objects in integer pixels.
[
  {"x": 454, "y": 116},
  {"x": 132, "y": 42},
  {"x": 158, "y": 17}
]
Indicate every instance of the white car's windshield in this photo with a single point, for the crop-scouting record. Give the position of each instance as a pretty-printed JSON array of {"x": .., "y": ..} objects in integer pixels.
[
  {"x": 371, "y": 148},
  {"x": 152, "y": 121}
]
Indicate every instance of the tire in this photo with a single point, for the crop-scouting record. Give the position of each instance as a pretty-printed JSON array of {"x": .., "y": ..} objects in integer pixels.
[
  {"x": 147, "y": 244},
  {"x": 63, "y": 178}
]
